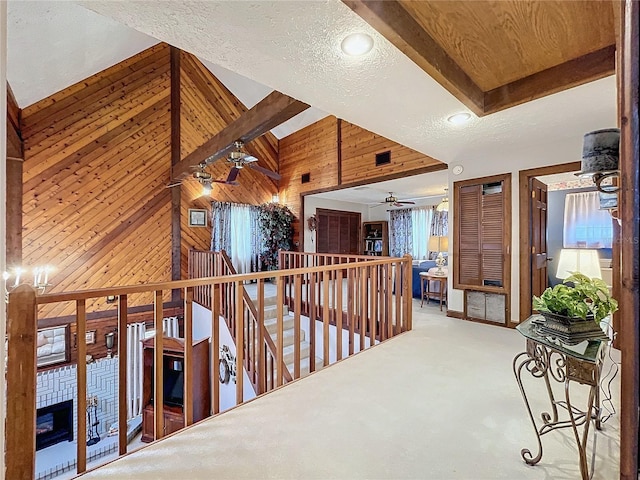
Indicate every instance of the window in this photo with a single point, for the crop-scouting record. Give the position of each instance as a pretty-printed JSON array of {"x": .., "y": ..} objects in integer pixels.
[
  {"x": 585, "y": 225},
  {"x": 421, "y": 222}
]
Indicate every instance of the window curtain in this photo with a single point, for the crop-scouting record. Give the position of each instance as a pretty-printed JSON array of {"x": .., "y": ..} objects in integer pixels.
[
  {"x": 400, "y": 232},
  {"x": 585, "y": 225},
  {"x": 235, "y": 229},
  {"x": 421, "y": 218}
]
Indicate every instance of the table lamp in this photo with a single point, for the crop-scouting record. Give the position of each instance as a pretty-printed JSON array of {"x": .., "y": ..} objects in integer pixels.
[
  {"x": 581, "y": 260},
  {"x": 438, "y": 243}
]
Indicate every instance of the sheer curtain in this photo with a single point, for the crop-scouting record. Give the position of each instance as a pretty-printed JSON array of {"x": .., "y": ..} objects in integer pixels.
[
  {"x": 235, "y": 229},
  {"x": 585, "y": 225},
  {"x": 400, "y": 232},
  {"x": 421, "y": 219}
]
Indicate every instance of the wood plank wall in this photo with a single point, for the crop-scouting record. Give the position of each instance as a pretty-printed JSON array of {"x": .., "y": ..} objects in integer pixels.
[
  {"x": 339, "y": 154},
  {"x": 97, "y": 163},
  {"x": 207, "y": 106},
  {"x": 15, "y": 156}
]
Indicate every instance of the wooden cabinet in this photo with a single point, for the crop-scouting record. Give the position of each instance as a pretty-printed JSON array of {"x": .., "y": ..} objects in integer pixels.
[
  {"x": 338, "y": 231},
  {"x": 375, "y": 238},
  {"x": 174, "y": 373}
]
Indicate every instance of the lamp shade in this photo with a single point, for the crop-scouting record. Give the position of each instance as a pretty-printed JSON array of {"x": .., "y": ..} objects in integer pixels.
[
  {"x": 438, "y": 243},
  {"x": 580, "y": 260}
]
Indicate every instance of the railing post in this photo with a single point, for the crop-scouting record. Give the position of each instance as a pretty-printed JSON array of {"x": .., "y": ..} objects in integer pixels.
[{"x": 20, "y": 445}]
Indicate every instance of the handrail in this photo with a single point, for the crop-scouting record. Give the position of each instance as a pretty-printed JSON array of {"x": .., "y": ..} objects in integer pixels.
[
  {"x": 377, "y": 301},
  {"x": 265, "y": 333}
]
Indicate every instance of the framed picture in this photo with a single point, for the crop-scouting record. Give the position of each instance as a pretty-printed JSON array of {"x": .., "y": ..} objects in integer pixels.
[
  {"x": 197, "y": 217},
  {"x": 52, "y": 345},
  {"x": 90, "y": 337}
]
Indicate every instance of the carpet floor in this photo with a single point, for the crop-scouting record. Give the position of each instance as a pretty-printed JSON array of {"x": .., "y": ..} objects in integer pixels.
[{"x": 439, "y": 402}]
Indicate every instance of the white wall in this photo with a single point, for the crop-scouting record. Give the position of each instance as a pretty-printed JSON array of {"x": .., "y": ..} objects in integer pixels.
[
  {"x": 202, "y": 329},
  {"x": 505, "y": 161}
]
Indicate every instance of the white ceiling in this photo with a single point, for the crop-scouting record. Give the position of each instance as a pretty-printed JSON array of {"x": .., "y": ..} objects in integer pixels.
[{"x": 294, "y": 47}]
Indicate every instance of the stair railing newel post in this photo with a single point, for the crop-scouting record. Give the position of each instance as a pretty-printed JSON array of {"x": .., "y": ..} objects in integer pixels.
[{"x": 21, "y": 383}]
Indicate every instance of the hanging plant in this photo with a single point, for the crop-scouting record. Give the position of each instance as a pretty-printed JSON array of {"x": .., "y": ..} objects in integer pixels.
[{"x": 276, "y": 228}]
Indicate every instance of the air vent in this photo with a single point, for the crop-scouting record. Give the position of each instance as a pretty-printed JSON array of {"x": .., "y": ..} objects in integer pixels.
[
  {"x": 306, "y": 177},
  {"x": 383, "y": 158}
]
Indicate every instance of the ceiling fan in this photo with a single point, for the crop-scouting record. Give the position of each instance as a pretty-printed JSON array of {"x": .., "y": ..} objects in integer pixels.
[
  {"x": 392, "y": 201},
  {"x": 239, "y": 158}
]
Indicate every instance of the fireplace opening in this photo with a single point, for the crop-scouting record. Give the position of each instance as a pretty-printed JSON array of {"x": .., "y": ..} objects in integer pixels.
[{"x": 54, "y": 424}]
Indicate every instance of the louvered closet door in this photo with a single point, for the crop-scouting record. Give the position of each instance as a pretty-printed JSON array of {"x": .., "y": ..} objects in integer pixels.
[
  {"x": 470, "y": 203},
  {"x": 492, "y": 239}
]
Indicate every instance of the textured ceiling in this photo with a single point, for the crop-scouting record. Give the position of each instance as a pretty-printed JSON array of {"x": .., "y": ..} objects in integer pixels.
[{"x": 294, "y": 47}]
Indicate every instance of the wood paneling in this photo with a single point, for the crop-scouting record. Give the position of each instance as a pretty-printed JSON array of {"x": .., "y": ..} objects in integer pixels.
[
  {"x": 494, "y": 55},
  {"x": 359, "y": 148},
  {"x": 314, "y": 150},
  {"x": 97, "y": 159}
]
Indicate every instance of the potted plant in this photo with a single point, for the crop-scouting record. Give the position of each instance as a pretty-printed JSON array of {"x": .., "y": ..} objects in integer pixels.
[
  {"x": 579, "y": 298},
  {"x": 277, "y": 232}
]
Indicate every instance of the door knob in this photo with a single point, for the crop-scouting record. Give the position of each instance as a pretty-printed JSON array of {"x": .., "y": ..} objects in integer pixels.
[{"x": 549, "y": 259}]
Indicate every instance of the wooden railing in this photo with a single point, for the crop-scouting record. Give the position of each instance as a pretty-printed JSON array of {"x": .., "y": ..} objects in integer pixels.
[
  {"x": 258, "y": 344},
  {"x": 375, "y": 293}
]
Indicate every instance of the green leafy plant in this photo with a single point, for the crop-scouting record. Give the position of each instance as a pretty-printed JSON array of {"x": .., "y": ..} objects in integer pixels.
[
  {"x": 577, "y": 297},
  {"x": 276, "y": 225}
]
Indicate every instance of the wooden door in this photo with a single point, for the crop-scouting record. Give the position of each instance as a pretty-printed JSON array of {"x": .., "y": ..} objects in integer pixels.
[
  {"x": 338, "y": 232},
  {"x": 539, "y": 277}
]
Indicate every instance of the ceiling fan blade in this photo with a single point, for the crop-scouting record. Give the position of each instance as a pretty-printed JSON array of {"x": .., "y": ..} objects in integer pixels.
[
  {"x": 249, "y": 159},
  {"x": 378, "y": 205},
  {"x": 174, "y": 184},
  {"x": 406, "y": 203},
  {"x": 268, "y": 173},
  {"x": 233, "y": 174}
]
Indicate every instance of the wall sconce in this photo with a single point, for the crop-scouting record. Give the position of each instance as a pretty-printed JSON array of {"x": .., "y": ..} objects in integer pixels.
[
  {"x": 600, "y": 157},
  {"x": 109, "y": 341},
  {"x": 443, "y": 206},
  {"x": 40, "y": 280},
  {"x": 112, "y": 298},
  {"x": 275, "y": 198}
]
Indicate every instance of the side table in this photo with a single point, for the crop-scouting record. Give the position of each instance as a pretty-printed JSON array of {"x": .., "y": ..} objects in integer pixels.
[
  {"x": 549, "y": 359},
  {"x": 426, "y": 279}
]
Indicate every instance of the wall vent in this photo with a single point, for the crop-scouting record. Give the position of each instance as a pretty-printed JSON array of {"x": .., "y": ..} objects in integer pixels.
[
  {"x": 306, "y": 177},
  {"x": 383, "y": 158}
]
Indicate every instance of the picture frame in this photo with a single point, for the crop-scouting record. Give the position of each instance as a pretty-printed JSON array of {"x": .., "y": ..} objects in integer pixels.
[
  {"x": 52, "y": 345},
  {"x": 198, "y": 217},
  {"x": 90, "y": 337}
]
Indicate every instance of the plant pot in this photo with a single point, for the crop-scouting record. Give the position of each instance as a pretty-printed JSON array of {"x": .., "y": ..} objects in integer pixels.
[
  {"x": 570, "y": 330},
  {"x": 564, "y": 320}
]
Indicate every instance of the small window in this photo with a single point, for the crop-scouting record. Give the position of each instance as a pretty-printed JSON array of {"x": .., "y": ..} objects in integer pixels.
[
  {"x": 306, "y": 177},
  {"x": 383, "y": 158}
]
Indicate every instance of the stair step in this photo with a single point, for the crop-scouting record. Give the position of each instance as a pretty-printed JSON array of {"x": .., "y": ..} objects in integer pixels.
[
  {"x": 271, "y": 324},
  {"x": 268, "y": 301},
  {"x": 271, "y": 311}
]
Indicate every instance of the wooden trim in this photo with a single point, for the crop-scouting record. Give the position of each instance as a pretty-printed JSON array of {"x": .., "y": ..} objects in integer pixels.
[
  {"x": 274, "y": 109},
  {"x": 176, "y": 191},
  {"x": 382, "y": 178},
  {"x": 398, "y": 26},
  {"x": 122, "y": 375},
  {"x": 14, "y": 212},
  {"x": 339, "y": 143},
  {"x": 630, "y": 246},
  {"x": 21, "y": 380},
  {"x": 585, "y": 69},
  {"x": 524, "y": 179},
  {"x": 455, "y": 314}
]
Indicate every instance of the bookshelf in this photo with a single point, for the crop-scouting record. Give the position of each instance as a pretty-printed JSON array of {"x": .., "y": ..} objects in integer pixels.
[{"x": 375, "y": 238}]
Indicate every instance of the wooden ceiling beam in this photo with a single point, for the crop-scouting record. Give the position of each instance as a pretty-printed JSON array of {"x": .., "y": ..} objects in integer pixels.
[
  {"x": 590, "y": 67},
  {"x": 397, "y": 25},
  {"x": 275, "y": 109}
]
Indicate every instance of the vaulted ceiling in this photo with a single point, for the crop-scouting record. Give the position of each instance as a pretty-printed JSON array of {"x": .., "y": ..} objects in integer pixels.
[{"x": 431, "y": 59}]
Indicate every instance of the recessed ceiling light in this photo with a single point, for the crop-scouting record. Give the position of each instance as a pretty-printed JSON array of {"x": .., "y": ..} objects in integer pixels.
[
  {"x": 459, "y": 118},
  {"x": 357, "y": 44}
]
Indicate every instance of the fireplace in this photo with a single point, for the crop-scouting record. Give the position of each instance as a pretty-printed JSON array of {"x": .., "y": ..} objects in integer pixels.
[{"x": 54, "y": 424}]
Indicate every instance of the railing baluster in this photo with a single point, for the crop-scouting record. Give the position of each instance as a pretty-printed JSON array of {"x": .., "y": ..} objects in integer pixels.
[
  {"x": 81, "y": 401},
  {"x": 364, "y": 306},
  {"x": 280, "y": 319},
  {"x": 122, "y": 374},
  {"x": 188, "y": 356},
  {"x": 338, "y": 309},
  {"x": 215, "y": 348},
  {"x": 262, "y": 387},
  {"x": 158, "y": 366},
  {"x": 239, "y": 343},
  {"x": 398, "y": 296},
  {"x": 351, "y": 305},
  {"x": 373, "y": 305},
  {"x": 312, "y": 324},
  {"x": 326, "y": 311},
  {"x": 297, "y": 302},
  {"x": 407, "y": 302}
]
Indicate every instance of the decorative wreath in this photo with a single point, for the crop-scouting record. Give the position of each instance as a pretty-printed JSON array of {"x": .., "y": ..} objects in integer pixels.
[{"x": 312, "y": 222}]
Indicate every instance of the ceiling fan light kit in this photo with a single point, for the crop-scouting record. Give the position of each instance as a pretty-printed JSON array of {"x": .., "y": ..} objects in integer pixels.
[{"x": 393, "y": 201}]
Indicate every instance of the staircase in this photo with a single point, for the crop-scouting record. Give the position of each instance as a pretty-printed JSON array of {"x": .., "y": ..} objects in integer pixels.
[{"x": 288, "y": 337}]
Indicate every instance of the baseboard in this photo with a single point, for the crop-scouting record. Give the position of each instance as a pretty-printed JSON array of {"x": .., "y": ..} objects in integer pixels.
[{"x": 455, "y": 314}]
